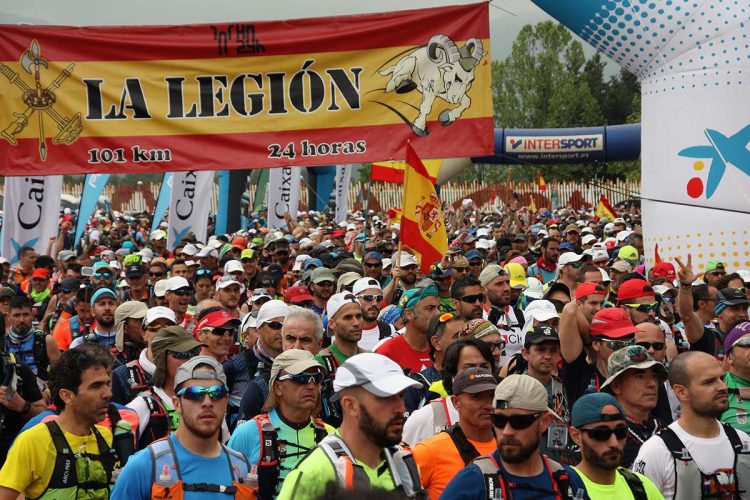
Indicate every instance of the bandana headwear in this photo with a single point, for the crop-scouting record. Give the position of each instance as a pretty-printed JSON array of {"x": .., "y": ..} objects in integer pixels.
[{"x": 412, "y": 297}]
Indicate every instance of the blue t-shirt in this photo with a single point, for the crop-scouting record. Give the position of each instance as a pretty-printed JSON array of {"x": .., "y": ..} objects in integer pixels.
[
  {"x": 469, "y": 484},
  {"x": 135, "y": 479}
]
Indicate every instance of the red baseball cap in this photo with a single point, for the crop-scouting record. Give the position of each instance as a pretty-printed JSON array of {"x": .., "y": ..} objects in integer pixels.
[
  {"x": 216, "y": 319},
  {"x": 338, "y": 233},
  {"x": 612, "y": 323},
  {"x": 633, "y": 289},
  {"x": 40, "y": 272},
  {"x": 239, "y": 242},
  {"x": 297, "y": 294},
  {"x": 589, "y": 288},
  {"x": 664, "y": 270}
]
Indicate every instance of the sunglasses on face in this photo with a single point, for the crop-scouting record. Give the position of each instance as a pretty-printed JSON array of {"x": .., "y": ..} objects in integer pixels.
[
  {"x": 307, "y": 304},
  {"x": 473, "y": 299},
  {"x": 518, "y": 422},
  {"x": 604, "y": 433},
  {"x": 475, "y": 263},
  {"x": 304, "y": 378},
  {"x": 182, "y": 292},
  {"x": 370, "y": 298},
  {"x": 222, "y": 331},
  {"x": 373, "y": 264},
  {"x": 576, "y": 265},
  {"x": 187, "y": 354},
  {"x": 275, "y": 325},
  {"x": 658, "y": 346},
  {"x": 103, "y": 275},
  {"x": 644, "y": 308},
  {"x": 325, "y": 283},
  {"x": 198, "y": 393},
  {"x": 616, "y": 345},
  {"x": 155, "y": 275}
]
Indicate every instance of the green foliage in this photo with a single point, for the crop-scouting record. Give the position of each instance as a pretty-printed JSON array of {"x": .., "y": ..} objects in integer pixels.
[{"x": 547, "y": 82}]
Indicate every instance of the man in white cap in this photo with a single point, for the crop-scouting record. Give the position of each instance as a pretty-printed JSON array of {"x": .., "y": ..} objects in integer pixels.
[
  {"x": 229, "y": 292},
  {"x": 404, "y": 277},
  {"x": 345, "y": 325},
  {"x": 178, "y": 292},
  {"x": 191, "y": 462},
  {"x": 508, "y": 318},
  {"x": 517, "y": 469},
  {"x": 370, "y": 297},
  {"x": 287, "y": 420},
  {"x": 159, "y": 297},
  {"x": 136, "y": 375},
  {"x": 364, "y": 453},
  {"x": 568, "y": 264}
]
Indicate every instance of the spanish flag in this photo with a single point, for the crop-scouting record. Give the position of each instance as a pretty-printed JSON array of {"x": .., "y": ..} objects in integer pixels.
[
  {"x": 540, "y": 181},
  {"x": 604, "y": 209},
  {"x": 422, "y": 222},
  {"x": 393, "y": 171}
]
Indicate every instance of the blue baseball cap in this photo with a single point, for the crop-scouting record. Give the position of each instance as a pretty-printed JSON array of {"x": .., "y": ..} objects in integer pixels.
[
  {"x": 567, "y": 246},
  {"x": 373, "y": 255},
  {"x": 588, "y": 409},
  {"x": 102, "y": 293},
  {"x": 313, "y": 262},
  {"x": 473, "y": 254}
]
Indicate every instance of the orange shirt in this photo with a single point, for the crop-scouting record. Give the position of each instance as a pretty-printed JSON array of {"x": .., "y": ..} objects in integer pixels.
[{"x": 439, "y": 460}]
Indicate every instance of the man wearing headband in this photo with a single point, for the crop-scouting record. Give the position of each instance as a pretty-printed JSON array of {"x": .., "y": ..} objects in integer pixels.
[
  {"x": 412, "y": 349},
  {"x": 599, "y": 428},
  {"x": 191, "y": 461}
]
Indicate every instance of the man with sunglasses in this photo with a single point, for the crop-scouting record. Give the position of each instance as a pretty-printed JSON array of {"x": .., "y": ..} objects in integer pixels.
[
  {"x": 217, "y": 330},
  {"x": 737, "y": 378},
  {"x": 468, "y": 298},
  {"x": 476, "y": 262},
  {"x": 364, "y": 453},
  {"x": 370, "y": 297},
  {"x": 192, "y": 462},
  {"x": 287, "y": 421},
  {"x": 178, "y": 292},
  {"x": 638, "y": 299},
  {"x": 634, "y": 379},
  {"x": 714, "y": 272},
  {"x": 103, "y": 276},
  {"x": 373, "y": 265},
  {"x": 696, "y": 306},
  {"x": 322, "y": 285},
  {"x": 697, "y": 456},
  {"x": 443, "y": 279},
  {"x": 598, "y": 427},
  {"x": 568, "y": 265},
  {"x": 517, "y": 469},
  {"x": 249, "y": 260}
]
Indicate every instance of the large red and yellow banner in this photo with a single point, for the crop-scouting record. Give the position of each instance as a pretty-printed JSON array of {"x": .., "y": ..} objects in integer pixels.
[{"x": 245, "y": 95}]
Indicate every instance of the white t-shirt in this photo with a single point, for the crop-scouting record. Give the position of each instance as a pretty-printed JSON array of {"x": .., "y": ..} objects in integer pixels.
[
  {"x": 710, "y": 455},
  {"x": 371, "y": 338},
  {"x": 421, "y": 424}
]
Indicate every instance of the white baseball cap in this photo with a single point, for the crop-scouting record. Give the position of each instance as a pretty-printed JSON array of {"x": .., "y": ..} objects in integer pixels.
[
  {"x": 376, "y": 373},
  {"x": 483, "y": 244},
  {"x": 190, "y": 250},
  {"x": 599, "y": 255},
  {"x": 160, "y": 288},
  {"x": 339, "y": 300},
  {"x": 365, "y": 284},
  {"x": 227, "y": 280},
  {"x": 540, "y": 310},
  {"x": 175, "y": 283},
  {"x": 233, "y": 266},
  {"x": 207, "y": 251},
  {"x": 159, "y": 312},
  {"x": 568, "y": 257},
  {"x": 589, "y": 238},
  {"x": 406, "y": 259},
  {"x": 535, "y": 289},
  {"x": 270, "y": 310},
  {"x": 299, "y": 261}
]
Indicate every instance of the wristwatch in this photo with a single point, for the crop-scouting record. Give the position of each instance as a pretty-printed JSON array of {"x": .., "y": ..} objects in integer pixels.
[{"x": 26, "y": 408}]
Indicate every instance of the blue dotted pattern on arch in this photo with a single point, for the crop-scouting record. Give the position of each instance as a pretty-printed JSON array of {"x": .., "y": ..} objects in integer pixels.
[{"x": 671, "y": 45}]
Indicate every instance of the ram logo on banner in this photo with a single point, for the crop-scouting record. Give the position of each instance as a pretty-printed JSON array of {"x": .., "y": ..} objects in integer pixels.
[
  {"x": 189, "y": 205},
  {"x": 31, "y": 213},
  {"x": 318, "y": 91},
  {"x": 343, "y": 178},
  {"x": 93, "y": 185},
  {"x": 283, "y": 195}
]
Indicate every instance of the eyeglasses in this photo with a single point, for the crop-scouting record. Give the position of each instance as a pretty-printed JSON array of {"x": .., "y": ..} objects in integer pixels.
[
  {"x": 604, "y": 433},
  {"x": 658, "y": 346},
  {"x": 370, "y": 298},
  {"x": 182, "y": 292},
  {"x": 155, "y": 275},
  {"x": 373, "y": 264},
  {"x": 495, "y": 346},
  {"x": 187, "y": 354},
  {"x": 275, "y": 325},
  {"x": 475, "y": 263},
  {"x": 644, "y": 308},
  {"x": 616, "y": 345},
  {"x": 304, "y": 378},
  {"x": 222, "y": 331},
  {"x": 518, "y": 422},
  {"x": 198, "y": 393},
  {"x": 325, "y": 283},
  {"x": 473, "y": 299},
  {"x": 103, "y": 275}
]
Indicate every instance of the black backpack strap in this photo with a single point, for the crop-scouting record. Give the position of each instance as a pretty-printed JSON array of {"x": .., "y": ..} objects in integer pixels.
[
  {"x": 384, "y": 330},
  {"x": 329, "y": 361},
  {"x": 634, "y": 483},
  {"x": 39, "y": 351},
  {"x": 674, "y": 444},
  {"x": 734, "y": 438},
  {"x": 467, "y": 450}
]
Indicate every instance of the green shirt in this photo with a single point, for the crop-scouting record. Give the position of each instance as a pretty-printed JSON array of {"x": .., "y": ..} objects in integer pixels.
[
  {"x": 309, "y": 479},
  {"x": 340, "y": 356},
  {"x": 739, "y": 409},
  {"x": 620, "y": 489}
]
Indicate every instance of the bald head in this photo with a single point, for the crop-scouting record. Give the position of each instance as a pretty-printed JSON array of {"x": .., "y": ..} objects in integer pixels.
[
  {"x": 684, "y": 366},
  {"x": 650, "y": 329}
]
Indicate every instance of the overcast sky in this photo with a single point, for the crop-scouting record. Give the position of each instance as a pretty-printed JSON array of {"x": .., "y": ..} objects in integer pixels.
[{"x": 507, "y": 17}]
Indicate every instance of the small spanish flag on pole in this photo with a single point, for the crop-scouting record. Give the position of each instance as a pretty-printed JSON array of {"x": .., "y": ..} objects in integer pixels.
[
  {"x": 604, "y": 209},
  {"x": 422, "y": 222},
  {"x": 540, "y": 181}
]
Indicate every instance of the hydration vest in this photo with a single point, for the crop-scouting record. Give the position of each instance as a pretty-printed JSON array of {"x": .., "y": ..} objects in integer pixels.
[
  {"x": 689, "y": 479},
  {"x": 137, "y": 379},
  {"x": 352, "y": 476},
  {"x": 166, "y": 478},
  {"x": 36, "y": 347},
  {"x": 160, "y": 423},
  {"x": 269, "y": 458},
  {"x": 440, "y": 416},
  {"x": 65, "y": 483}
]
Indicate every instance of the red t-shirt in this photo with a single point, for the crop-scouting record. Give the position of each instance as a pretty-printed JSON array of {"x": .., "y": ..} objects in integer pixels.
[{"x": 405, "y": 355}]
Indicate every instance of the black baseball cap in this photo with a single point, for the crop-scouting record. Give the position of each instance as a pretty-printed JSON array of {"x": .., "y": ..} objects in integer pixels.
[
  {"x": 540, "y": 333},
  {"x": 731, "y": 296},
  {"x": 135, "y": 271}
]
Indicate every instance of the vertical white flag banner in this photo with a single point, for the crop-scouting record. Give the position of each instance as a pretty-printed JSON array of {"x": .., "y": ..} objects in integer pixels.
[
  {"x": 283, "y": 195},
  {"x": 343, "y": 178},
  {"x": 31, "y": 213},
  {"x": 189, "y": 205}
]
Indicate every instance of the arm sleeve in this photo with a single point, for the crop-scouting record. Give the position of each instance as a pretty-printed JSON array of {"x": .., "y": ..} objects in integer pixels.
[
  {"x": 134, "y": 482},
  {"x": 246, "y": 440}
]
